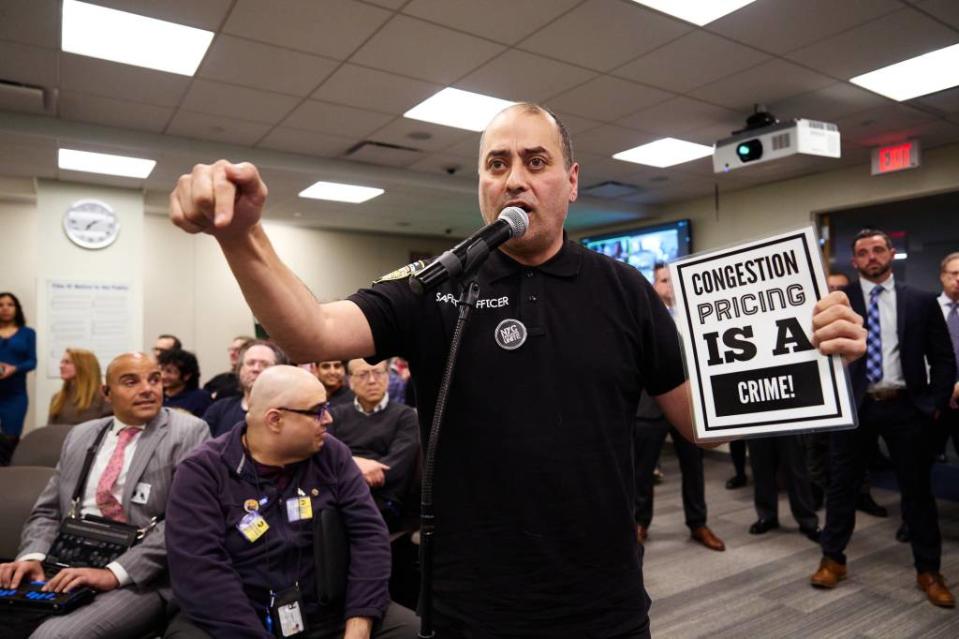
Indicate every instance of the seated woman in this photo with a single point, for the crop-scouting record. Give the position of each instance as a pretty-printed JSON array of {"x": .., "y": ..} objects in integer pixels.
[{"x": 80, "y": 399}]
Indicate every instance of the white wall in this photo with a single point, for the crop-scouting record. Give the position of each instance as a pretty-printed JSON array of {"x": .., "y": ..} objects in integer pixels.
[
  {"x": 58, "y": 258},
  {"x": 191, "y": 293}
]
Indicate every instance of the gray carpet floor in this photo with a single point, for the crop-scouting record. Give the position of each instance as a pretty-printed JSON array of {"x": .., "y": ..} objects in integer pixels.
[{"x": 759, "y": 587}]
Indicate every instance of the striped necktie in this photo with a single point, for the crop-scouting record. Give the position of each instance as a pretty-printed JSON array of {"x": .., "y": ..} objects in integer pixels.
[{"x": 873, "y": 338}]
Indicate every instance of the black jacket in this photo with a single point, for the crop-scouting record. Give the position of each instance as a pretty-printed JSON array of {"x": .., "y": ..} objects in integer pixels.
[{"x": 923, "y": 337}]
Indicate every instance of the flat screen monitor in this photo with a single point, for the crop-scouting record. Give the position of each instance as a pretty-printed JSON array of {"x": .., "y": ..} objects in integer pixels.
[{"x": 643, "y": 247}]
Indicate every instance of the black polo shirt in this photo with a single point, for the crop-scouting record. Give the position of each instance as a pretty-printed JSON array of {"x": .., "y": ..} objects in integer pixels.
[{"x": 534, "y": 478}]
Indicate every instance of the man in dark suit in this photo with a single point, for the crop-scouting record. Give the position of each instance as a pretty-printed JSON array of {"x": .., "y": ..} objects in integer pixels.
[
  {"x": 129, "y": 481},
  {"x": 897, "y": 399}
]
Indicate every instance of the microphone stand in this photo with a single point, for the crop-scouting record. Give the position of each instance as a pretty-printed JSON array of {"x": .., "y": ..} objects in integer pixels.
[{"x": 466, "y": 303}]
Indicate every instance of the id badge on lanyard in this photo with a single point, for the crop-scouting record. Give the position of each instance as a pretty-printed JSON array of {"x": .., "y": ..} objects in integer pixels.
[{"x": 285, "y": 615}]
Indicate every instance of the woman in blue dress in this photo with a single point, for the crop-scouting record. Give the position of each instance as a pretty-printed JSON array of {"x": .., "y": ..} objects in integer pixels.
[{"x": 18, "y": 356}]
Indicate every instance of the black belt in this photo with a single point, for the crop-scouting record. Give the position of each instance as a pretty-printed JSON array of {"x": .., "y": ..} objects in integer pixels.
[{"x": 886, "y": 394}]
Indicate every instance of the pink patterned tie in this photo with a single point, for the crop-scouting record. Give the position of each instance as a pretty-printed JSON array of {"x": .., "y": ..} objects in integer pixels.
[{"x": 109, "y": 506}]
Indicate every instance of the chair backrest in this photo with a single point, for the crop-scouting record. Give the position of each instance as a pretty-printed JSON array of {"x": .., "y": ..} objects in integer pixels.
[
  {"x": 21, "y": 487},
  {"x": 41, "y": 447}
]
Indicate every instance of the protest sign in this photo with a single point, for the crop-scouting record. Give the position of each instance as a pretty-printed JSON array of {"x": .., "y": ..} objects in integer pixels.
[{"x": 745, "y": 315}]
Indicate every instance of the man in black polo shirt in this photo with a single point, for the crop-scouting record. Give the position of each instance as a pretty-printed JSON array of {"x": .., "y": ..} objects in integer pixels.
[{"x": 534, "y": 479}]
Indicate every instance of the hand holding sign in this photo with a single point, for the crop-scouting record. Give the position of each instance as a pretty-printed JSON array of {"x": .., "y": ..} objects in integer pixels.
[{"x": 837, "y": 329}]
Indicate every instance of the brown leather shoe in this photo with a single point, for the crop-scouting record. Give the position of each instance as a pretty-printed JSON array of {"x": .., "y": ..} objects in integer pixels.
[
  {"x": 641, "y": 533},
  {"x": 708, "y": 538},
  {"x": 934, "y": 586},
  {"x": 829, "y": 574}
]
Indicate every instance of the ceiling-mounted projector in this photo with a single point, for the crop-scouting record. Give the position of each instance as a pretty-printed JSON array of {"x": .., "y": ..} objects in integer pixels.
[{"x": 765, "y": 139}]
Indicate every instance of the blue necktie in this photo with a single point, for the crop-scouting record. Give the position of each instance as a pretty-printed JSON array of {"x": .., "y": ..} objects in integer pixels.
[{"x": 874, "y": 338}]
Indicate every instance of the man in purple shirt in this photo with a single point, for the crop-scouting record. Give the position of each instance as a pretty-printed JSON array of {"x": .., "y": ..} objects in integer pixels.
[{"x": 240, "y": 526}]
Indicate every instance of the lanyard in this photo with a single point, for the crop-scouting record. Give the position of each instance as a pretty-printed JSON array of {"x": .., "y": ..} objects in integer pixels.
[{"x": 299, "y": 548}]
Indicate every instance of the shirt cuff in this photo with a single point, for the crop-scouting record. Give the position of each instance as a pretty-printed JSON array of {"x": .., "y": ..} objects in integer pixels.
[
  {"x": 123, "y": 578},
  {"x": 32, "y": 556}
]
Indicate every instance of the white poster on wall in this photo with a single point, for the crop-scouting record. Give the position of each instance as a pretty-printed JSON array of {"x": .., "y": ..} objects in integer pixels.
[
  {"x": 745, "y": 313},
  {"x": 96, "y": 316}
]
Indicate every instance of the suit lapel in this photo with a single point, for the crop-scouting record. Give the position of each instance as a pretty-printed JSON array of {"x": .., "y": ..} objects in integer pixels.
[
  {"x": 152, "y": 435},
  {"x": 855, "y": 295}
]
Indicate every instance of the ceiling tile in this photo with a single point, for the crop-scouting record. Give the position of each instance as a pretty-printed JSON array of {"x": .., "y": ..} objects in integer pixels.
[
  {"x": 112, "y": 112},
  {"x": 384, "y": 155},
  {"x": 422, "y": 50},
  {"x": 766, "y": 83},
  {"x": 217, "y": 128},
  {"x": 241, "y": 103},
  {"x": 878, "y": 126},
  {"x": 837, "y": 101},
  {"x": 306, "y": 142},
  {"x": 375, "y": 90},
  {"x": 440, "y": 137},
  {"x": 28, "y": 156},
  {"x": 779, "y": 26},
  {"x": 468, "y": 148},
  {"x": 677, "y": 116},
  {"x": 334, "y": 28},
  {"x": 892, "y": 38},
  {"x": 34, "y": 22},
  {"x": 334, "y": 119},
  {"x": 608, "y": 139},
  {"x": 945, "y": 10},
  {"x": 524, "y": 77},
  {"x": 573, "y": 123},
  {"x": 121, "y": 81},
  {"x": 208, "y": 14},
  {"x": 261, "y": 66},
  {"x": 691, "y": 61},
  {"x": 28, "y": 65},
  {"x": 486, "y": 19},
  {"x": 389, "y": 4},
  {"x": 595, "y": 169},
  {"x": 607, "y": 98},
  {"x": 604, "y": 34},
  {"x": 946, "y": 101},
  {"x": 445, "y": 164}
]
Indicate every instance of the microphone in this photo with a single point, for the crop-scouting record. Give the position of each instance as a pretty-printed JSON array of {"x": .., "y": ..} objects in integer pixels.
[{"x": 471, "y": 252}]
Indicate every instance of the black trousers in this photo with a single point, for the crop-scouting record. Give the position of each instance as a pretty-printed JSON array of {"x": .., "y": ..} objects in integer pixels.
[
  {"x": 904, "y": 430},
  {"x": 766, "y": 456},
  {"x": 648, "y": 442},
  {"x": 737, "y": 451}
]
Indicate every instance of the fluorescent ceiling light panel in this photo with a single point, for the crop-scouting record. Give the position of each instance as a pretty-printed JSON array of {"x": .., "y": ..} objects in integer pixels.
[
  {"x": 106, "y": 164},
  {"x": 128, "y": 38},
  {"x": 901, "y": 256},
  {"x": 665, "y": 152},
  {"x": 699, "y": 12},
  {"x": 927, "y": 73},
  {"x": 341, "y": 192},
  {"x": 458, "y": 109}
]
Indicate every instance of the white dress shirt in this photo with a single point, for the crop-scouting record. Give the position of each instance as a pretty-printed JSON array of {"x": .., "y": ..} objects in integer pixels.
[{"x": 891, "y": 363}]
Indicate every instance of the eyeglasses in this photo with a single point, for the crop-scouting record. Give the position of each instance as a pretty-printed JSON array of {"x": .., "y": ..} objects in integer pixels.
[
  {"x": 375, "y": 374},
  {"x": 317, "y": 413}
]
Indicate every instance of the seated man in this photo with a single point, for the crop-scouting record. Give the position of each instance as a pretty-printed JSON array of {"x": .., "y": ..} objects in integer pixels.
[
  {"x": 128, "y": 481},
  {"x": 181, "y": 382},
  {"x": 255, "y": 357},
  {"x": 240, "y": 525},
  {"x": 227, "y": 384},
  {"x": 382, "y": 435}
]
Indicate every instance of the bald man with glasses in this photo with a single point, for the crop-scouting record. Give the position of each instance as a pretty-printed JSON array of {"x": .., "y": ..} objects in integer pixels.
[{"x": 241, "y": 518}]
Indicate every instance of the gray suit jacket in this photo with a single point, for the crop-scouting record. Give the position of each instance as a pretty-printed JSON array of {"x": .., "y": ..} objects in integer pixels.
[{"x": 165, "y": 441}]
